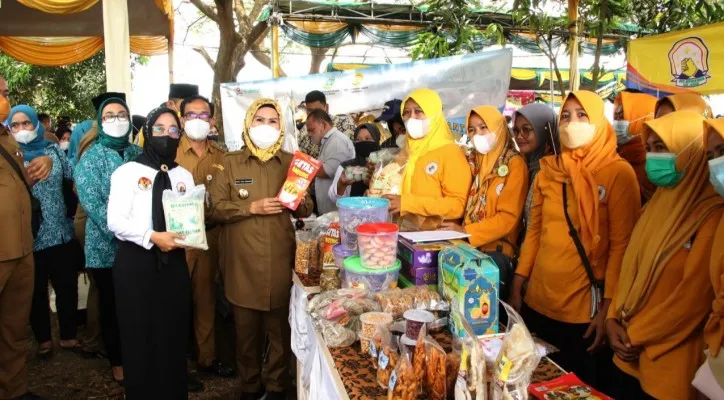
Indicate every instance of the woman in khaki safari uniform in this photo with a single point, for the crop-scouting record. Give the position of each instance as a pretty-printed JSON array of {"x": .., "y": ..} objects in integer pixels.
[{"x": 257, "y": 248}]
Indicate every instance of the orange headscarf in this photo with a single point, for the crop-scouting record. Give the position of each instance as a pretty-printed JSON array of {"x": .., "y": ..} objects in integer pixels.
[
  {"x": 714, "y": 330},
  {"x": 672, "y": 216},
  {"x": 485, "y": 164},
  {"x": 688, "y": 102},
  {"x": 4, "y": 108},
  {"x": 580, "y": 165},
  {"x": 637, "y": 109}
]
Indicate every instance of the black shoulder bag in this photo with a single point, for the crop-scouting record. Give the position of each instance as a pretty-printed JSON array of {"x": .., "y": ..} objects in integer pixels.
[
  {"x": 596, "y": 285},
  {"x": 35, "y": 210},
  {"x": 69, "y": 197}
]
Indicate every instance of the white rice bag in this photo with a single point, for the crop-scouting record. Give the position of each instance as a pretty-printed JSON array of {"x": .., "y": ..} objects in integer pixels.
[{"x": 184, "y": 214}]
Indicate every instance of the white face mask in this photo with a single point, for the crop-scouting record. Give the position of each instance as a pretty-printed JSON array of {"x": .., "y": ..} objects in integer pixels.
[
  {"x": 197, "y": 129},
  {"x": 577, "y": 134},
  {"x": 400, "y": 141},
  {"x": 64, "y": 146},
  {"x": 264, "y": 136},
  {"x": 116, "y": 129},
  {"x": 484, "y": 143},
  {"x": 25, "y": 136},
  {"x": 417, "y": 128}
]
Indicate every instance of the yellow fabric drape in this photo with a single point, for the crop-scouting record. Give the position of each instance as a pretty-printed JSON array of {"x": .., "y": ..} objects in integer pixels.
[
  {"x": 523, "y": 74},
  {"x": 58, "y": 51},
  {"x": 317, "y": 27},
  {"x": 672, "y": 216},
  {"x": 59, "y": 6},
  {"x": 51, "y": 52},
  {"x": 394, "y": 28}
]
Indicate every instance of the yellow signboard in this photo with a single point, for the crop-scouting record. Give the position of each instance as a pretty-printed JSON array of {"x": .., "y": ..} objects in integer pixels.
[{"x": 676, "y": 62}]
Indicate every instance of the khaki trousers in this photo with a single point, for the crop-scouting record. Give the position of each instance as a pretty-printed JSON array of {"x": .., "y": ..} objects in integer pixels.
[
  {"x": 203, "y": 267},
  {"x": 251, "y": 325},
  {"x": 92, "y": 339},
  {"x": 16, "y": 293}
]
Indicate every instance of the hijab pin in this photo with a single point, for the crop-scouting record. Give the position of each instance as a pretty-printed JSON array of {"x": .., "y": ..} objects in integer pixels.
[{"x": 164, "y": 168}]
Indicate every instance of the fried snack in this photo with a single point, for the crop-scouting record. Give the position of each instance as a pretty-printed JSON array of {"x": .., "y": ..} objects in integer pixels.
[
  {"x": 397, "y": 301},
  {"x": 387, "y": 180},
  {"x": 452, "y": 365},
  {"x": 418, "y": 360},
  {"x": 403, "y": 382},
  {"x": 302, "y": 257},
  {"x": 435, "y": 372},
  {"x": 386, "y": 363}
]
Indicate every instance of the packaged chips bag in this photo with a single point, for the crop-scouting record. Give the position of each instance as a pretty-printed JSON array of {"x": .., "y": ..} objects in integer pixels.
[
  {"x": 301, "y": 172},
  {"x": 184, "y": 214}
]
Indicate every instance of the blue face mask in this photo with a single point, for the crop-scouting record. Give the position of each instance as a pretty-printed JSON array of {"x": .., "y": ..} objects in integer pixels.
[
  {"x": 716, "y": 174},
  {"x": 661, "y": 169}
]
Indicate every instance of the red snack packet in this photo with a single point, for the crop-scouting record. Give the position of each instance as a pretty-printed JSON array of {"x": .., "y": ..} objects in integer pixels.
[
  {"x": 566, "y": 387},
  {"x": 300, "y": 175}
]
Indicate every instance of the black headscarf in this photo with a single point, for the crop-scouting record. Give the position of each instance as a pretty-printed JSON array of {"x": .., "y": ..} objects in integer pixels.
[
  {"x": 161, "y": 161},
  {"x": 362, "y": 151},
  {"x": 545, "y": 125}
]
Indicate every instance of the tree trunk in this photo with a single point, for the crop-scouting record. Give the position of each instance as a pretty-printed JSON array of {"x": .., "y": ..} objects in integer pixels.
[
  {"x": 599, "y": 45},
  {"x": 559, "y": 78},
  {"x": 318, "y": 56}
]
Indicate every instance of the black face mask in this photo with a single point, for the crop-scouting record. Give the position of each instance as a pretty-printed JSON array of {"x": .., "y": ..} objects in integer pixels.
[
  {"x": 362, "y": 151},
  {"x": 165, "y": 147}
]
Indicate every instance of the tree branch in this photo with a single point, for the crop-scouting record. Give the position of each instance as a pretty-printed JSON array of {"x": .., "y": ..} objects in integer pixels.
[
  {"x": 206, "y": 9},
  {"x": 257, "y": 34},
  {"x": 260, "y": 54},
  {"x": 241, "y": 18},
  {"x": 206, "y": 56},
  {"x": 256, "y": 9},
  {"x": 188, "y": 28}
]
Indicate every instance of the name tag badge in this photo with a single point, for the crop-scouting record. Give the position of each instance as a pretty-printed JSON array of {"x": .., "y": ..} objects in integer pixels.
[{"x": 244, "y": 181}]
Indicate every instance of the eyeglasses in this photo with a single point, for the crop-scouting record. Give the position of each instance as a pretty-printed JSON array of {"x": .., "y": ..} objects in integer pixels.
[
  {"x": 16, "y": 126},
  {"x": 203, "y": 116},
  {"x": 172, "y": 131},
  {"x": 122, "y": 117},
  {"x": 526, "y": 131}
]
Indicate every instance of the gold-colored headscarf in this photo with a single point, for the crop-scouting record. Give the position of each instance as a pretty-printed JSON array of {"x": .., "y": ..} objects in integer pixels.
[{"x": 263, "y": 155}]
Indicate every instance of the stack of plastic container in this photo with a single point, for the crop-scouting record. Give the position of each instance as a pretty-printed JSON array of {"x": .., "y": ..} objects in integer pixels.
[{"x": 377, "y": 267}]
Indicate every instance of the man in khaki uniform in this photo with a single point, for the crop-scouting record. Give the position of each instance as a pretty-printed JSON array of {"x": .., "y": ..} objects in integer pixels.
[
  {"x": 257, "y": 248},
  {"x": 203, "y": 158},
  {"x": 16, "y": 269}
]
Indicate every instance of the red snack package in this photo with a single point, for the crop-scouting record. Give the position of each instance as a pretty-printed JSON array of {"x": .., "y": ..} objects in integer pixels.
[
  {"x": 300, "y": 175},
  {"x": 566, "y": 387}
]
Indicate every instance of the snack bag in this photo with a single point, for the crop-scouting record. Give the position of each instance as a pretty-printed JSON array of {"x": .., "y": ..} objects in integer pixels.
[
  {"x": 326, "y": 234},
  {"x": 403, "y": 382},
  {"x": 375, "y": 345},
  {"x": 419, "y": 357},
  {"x": 517, "y": 360},
  {"x": 387, "y": 180},
  {"x": 566, "y": 387},
  {"x": 301, "y": 172},
  {"x": 470, "y": 383},
  {"x": 387, "y": 359},
  {"x": 435, "y": 370},
  {"x": 306, "y": 251},
  {"x": 184, "y": 213}
]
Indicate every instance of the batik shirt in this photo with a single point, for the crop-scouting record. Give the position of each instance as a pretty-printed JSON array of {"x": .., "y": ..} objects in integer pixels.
[
  {"x": 56, "y": 227},
  {"x": 93, "y": 183},
  {"x": 343, "y": 123}
]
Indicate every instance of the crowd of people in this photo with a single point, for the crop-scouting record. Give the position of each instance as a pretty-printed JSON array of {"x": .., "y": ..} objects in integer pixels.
[{"x": 604, "y": 231}]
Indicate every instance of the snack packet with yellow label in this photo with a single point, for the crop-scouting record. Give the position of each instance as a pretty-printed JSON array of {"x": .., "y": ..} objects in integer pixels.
[
  {"x": 517, "y": 360},
  {"x": 300, "y": 175}
]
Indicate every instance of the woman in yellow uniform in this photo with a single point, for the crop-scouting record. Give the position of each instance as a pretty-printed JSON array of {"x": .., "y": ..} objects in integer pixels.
[
  {"x": 437, "y": 176},
  {"x": 664, "y": 295},
  {"x": 714, "y": 330},
  {"x": 497, "y": 196},
  {"x": 588, "y": 186},
  {"x": 683, "y": 102},
  {"x": 631, "y": 110}
]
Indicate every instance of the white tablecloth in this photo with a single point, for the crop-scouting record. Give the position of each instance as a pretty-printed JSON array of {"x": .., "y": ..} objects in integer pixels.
[{"x": 317, "y": 376}]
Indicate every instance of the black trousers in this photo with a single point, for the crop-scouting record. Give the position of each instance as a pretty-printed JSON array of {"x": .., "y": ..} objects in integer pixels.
[
  {"x": 103, "y": 278},
  {"x": 594, "y": 369},
  {"x": 57, "y": 264},
  {"x": 626, "y": 387},
  {"x": 153, "y": 316}
]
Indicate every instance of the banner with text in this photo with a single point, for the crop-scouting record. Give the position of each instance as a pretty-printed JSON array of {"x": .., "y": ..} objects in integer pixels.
[{"x": 463, "y": 82}]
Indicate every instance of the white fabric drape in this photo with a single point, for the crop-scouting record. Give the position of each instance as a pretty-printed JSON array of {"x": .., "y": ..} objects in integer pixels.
[{"x": 118, "y": 47}]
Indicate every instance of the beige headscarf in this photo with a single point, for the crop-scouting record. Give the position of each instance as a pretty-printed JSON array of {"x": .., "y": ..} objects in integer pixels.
[{"x": 263, "y": 155}]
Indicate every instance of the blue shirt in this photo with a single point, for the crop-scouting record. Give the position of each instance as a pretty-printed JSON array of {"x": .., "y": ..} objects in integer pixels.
[
  {"x": 93, "y": 183},
  {"x": 56, "y": 228}
]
